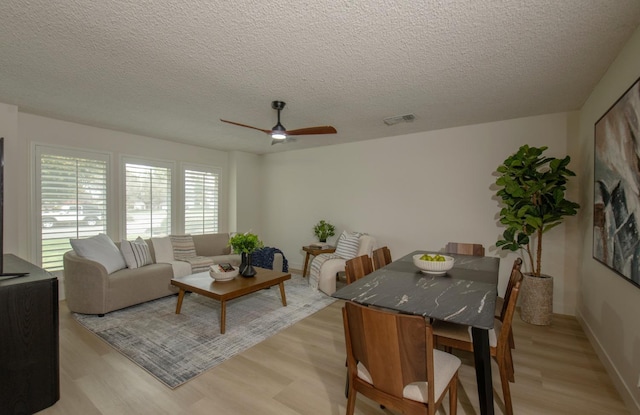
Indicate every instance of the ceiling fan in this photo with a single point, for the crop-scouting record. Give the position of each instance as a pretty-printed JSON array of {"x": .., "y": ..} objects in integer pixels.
[{"x": 280, "y": 134}]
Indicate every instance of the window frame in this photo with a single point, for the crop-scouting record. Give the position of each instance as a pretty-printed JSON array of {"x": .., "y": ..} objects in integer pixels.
[
  {"x": 39, "y": 150},
  {"x": 183, "y": 199},
  {"x": 168, "y": 164}
]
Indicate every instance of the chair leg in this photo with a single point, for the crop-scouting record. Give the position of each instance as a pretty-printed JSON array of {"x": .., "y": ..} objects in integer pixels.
[
  {"x": 509, "y": 362},
  {"x": 351, "y": 401},
  {"x": 346, "y": 382},
  {"x": 506, "y": 393},
  {"x": 346, "y": 387},
  {"x": 453, "y": 395},
  {"x": 512, "y": 342}
]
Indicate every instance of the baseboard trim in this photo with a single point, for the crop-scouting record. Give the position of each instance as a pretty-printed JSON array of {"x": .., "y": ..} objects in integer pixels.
[{"x": 625, "y": 391}]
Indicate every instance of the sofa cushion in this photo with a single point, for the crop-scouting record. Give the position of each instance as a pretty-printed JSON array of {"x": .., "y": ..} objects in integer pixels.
[
  {"x": 348, "y": 244},
  {"x": 163, "y": 249},
  {"x": 212, "y": 244},
  {"x": 136, "y": 253},
  {"x": 183, "y": 247},
  {"x": 199, "y": 263},
  {"x": 100, "y": 248}
]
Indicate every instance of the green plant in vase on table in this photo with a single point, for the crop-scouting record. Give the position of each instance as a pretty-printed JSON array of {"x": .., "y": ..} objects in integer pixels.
[
  {"x": 532, "y": 191},
  {"x": 245, "y": 244},
  {"x": 323, "y": 230}
]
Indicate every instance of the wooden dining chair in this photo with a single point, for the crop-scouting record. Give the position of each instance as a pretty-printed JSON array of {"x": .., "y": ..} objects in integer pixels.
[
  {"x": 465, "y": 249},
  {"x": 457, "y": 336},
  {"x": 357, "y": 268},
  {"x": 501, "y": 305},
  {"x": 381, "y": 257},
  {"x": 391, "y": 360}
]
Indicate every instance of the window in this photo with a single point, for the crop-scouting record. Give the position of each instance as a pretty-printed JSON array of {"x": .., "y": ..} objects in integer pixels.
[
  {"x": 72, "y": 194},
  {"x": 147, "y": 199},
  {"x": 201, "y": 190}
]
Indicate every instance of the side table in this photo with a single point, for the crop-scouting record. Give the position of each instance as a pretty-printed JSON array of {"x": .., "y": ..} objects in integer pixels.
[{"x": 313, "y": 250}]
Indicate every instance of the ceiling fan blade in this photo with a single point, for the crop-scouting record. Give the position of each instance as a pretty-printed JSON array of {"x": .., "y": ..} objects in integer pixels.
[
  {"x": 325, "y": 129},
  {"x": 247, "y": 126}
]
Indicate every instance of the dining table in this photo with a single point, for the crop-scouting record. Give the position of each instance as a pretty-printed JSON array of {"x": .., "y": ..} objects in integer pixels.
[{"x": 465, "y": 294}]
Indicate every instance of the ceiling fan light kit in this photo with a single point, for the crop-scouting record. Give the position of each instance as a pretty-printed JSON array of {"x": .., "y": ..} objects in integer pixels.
[{"x": 280, "y": 134}]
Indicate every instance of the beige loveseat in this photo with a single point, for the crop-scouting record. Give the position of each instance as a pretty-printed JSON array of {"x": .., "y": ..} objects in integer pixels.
[{"x": 90, "y": 289}]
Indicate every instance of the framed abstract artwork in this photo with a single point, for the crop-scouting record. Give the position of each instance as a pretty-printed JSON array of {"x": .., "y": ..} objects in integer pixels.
[{"x": 616, "y": 210}]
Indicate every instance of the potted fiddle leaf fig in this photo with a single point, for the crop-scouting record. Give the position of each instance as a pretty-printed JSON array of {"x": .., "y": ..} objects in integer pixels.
[
  {"x": 532, "y": 191},
  {"x": 323, "y": 230}
]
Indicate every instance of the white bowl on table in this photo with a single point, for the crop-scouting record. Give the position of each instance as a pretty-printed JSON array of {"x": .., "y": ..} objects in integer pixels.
[
  {"x": 224, "y": 276},
  {"x": 433, "y": 267}
]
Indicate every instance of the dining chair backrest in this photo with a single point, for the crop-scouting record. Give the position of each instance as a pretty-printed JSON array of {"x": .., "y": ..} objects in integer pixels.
[
  {"x": 395, "y": 348},
  {"x": 388, "y": 351},
  {"x": 516, "y": 275},
  {"x": 509, "y": 311},
  {"x": 357, "y": 268},
  {"x": 465, "y": 249},
  {"x": 381, "y": 257}
]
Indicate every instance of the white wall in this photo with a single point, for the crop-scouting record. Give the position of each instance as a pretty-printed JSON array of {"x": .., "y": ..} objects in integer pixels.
[
  {"x": 247, "y": 194},
  {"x": 411, "y": 192},
  {"x": 608, "y": 306}
]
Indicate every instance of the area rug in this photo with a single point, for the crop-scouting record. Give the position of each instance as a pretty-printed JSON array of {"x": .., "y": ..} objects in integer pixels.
[{"x": 175, "y": 348}]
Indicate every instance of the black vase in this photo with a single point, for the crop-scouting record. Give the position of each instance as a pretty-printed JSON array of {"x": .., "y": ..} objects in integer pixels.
[{"x": 246, "y": 269}]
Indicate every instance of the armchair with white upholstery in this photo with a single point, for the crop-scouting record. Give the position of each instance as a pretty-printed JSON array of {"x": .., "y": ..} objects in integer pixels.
[{"x": 325, "y": 267}]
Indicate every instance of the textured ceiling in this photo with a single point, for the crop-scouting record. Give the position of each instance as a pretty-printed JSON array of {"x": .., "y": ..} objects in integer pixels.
[{"x": 172, "y": 69}]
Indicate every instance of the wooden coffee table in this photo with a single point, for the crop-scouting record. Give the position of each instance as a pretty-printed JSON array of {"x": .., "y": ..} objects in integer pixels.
[{"x": 201, "y": 283}]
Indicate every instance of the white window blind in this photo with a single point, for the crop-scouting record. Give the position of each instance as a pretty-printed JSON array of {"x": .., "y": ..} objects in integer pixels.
[
  {"x": 73, "y": 200},
  {"x": 148, "y": 200},
  {"x": 201, "y": 190}
]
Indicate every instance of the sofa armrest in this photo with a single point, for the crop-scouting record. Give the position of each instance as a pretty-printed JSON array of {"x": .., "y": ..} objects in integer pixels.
[
  {"x": 85, "y": 284},
  {"x": 278, "y": 261},
  {"x": 328, "y": 272}
]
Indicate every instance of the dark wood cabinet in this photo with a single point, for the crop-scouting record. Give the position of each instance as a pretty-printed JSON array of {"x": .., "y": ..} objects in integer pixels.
[{"x": 29, "y": 344}]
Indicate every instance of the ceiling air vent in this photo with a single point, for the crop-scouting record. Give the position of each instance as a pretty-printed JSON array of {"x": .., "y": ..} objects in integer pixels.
[{"x": 399, "y": 118}]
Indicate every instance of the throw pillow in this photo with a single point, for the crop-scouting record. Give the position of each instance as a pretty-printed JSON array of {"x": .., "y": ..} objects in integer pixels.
[
  {"x": 183, "y": 247},
  {"x": 136, "y": 253},
  {"x": 100, "y": 248},
  {"x": 347, "y": 246},
  {"x": 163, "y": 249}
]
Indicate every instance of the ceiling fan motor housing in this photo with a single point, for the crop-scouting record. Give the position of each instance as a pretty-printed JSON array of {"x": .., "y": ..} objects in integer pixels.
[{"x": 278, "y": 105}]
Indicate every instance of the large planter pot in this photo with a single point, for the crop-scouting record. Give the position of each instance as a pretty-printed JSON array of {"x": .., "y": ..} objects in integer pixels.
[{"x": 536, "y": 305}]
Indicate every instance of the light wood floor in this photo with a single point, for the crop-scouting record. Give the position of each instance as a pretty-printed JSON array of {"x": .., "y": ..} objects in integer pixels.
[{"x": 301, "y": 371}]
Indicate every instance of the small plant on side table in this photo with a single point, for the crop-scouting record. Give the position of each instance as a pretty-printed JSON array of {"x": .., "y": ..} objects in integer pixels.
[{"x": 323, "y": 230}]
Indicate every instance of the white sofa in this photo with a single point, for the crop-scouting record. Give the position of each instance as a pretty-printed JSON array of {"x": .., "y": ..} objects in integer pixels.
[{"x": 325, "y": 267}]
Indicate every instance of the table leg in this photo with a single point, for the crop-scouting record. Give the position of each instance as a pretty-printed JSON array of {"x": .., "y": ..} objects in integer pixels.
[
  {"x": 306, "y": 263},
  {"x": 223, "y": 315},
  {"x": 282, "y": 295},
  {"x": 482, "y": 358},
  {"x": 180, "y": 298}
]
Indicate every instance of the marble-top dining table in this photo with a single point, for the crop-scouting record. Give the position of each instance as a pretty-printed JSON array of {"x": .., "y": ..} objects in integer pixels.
[{"x": 466, "y": 294}]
